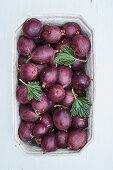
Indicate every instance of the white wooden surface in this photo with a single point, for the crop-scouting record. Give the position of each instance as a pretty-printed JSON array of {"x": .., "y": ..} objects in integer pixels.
[{"x": 99, "y": 154}]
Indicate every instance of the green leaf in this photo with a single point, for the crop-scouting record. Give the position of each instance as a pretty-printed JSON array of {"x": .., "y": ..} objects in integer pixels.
[
  {"x": 64, "y": 59},
  {"x": 34, "y": 91},
  {"x": 67, "y": 56},
  {"x": 73, "y": 109},
  {"x": 80, "y": 106},
  {"x": 68, "y": 50}
]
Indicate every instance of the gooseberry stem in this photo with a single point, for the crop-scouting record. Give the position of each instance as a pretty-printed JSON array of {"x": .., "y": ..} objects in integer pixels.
[
  {"x": 29, "y": 58},
  {"x": 74, "y": 94},
  {"x": 58, "y": 105},
  {"x": 84, "y": 61},
  {"x": 22, "y": 82}
]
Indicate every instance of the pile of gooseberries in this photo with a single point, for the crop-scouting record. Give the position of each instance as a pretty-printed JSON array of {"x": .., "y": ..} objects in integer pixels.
[{"x": 49, "y": 122}]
